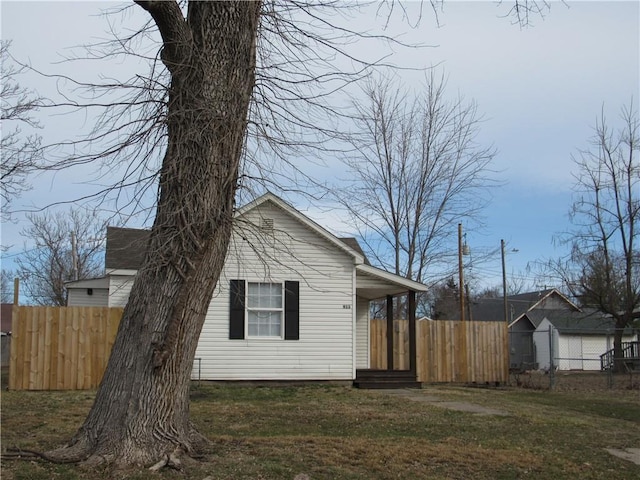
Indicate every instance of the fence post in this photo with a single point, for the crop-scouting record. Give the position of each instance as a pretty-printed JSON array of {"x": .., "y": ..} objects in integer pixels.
[
  {"x": 16, "y": 291},
  {"x": 552, "y": 368},
  {"x": 611, "y": 366}
]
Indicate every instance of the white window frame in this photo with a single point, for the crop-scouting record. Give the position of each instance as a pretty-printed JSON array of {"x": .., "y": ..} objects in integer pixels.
[{"x": 249, "y": 310}]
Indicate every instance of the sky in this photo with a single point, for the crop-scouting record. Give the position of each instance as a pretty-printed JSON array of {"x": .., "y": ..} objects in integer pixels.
[{"x": 539, "y": 89}]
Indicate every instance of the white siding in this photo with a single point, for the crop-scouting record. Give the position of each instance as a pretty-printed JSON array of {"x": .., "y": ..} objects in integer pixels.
[
  {"x": 592, "y": 348},
  {"x": 362, "y": 332},
  {"x": 291, "y": 252},
  {"x": 542, "y": 347},
  {"x": 582, "y": 352},
  {"x": 569, "y": 352},
  {"x": 119, "y": 288},
  {"x": 79, "y": 297}
]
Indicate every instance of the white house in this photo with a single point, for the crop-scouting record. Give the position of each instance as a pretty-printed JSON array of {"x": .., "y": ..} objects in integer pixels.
[{"x": 292, "y": 302}]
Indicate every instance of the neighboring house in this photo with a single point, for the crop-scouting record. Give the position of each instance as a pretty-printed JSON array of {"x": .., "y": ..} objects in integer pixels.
[
  {"x": 292, "y": 302},
  {"x": 546, "y": 324}
]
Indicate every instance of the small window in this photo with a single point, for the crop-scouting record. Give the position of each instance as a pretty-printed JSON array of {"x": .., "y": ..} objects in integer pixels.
[{"x": 264, "y": 310}]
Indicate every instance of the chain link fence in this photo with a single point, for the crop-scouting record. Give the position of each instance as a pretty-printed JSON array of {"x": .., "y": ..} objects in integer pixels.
[{"x": 573, "y": 360}]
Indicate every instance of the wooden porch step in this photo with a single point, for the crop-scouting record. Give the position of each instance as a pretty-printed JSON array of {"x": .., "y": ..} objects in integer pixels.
[{"x": 386, "y": 379}]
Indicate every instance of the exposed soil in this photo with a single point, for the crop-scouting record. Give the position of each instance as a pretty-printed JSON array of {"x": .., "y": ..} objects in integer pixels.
[{"x": 578, "y": 381}]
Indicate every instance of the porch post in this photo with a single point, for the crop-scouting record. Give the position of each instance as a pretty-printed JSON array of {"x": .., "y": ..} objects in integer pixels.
[
  {"x": 412, "y": 331},
  {"x": 389, "y": 332}
]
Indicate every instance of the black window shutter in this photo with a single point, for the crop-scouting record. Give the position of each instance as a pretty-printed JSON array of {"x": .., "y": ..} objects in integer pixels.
[
  {"x": 236, "y": 310},
  {"x": 291, "y": 310}
]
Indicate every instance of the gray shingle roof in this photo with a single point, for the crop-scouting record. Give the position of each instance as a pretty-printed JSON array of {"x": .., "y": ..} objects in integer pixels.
[
  {"x": 353, "y": 244},
  {"x": 588, "y": 321},
  {"x": 126, "y": 248},
  {"x": 492, "y": 309}
]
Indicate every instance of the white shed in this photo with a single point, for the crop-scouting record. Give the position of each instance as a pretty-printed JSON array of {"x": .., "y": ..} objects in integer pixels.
[{"x": 574, "y": 340}]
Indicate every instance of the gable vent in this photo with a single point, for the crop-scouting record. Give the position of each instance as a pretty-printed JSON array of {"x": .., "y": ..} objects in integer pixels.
[{"x": 266, "y": 224}]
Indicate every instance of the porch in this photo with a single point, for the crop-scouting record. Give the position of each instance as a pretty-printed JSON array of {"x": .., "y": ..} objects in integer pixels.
[{"x": 400, "y": 295}]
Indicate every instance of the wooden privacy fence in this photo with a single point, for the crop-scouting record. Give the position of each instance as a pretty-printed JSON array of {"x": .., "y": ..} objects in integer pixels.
[
  {"x": 447, "y": 351},
  {"x": 61, "y": 348}
]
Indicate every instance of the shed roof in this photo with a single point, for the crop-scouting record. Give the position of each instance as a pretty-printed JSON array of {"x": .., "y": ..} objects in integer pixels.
[
  {"x": 100, "y": 282},
  {"x": 585, "y": 322}
]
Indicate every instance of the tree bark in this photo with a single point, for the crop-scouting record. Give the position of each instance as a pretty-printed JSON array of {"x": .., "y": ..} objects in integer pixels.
[{"x": 141, "y": 411}]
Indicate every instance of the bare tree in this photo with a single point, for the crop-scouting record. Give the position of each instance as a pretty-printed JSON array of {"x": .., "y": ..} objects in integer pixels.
[
  {"x": 6, "y": 286},
  {"x": 418, "y": 171},
  {"x": 226, "y": 75},
  {"x": 603, "y": 270},
  {"x": 21, "y": 153},
  {"x": 63, "y": 246}
]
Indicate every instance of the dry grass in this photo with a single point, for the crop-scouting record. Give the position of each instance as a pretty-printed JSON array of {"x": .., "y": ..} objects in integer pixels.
[{"x": 343, "y": 433}]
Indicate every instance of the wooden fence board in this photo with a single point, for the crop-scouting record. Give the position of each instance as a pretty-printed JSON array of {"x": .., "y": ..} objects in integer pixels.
[
  {"x": 447, "y": 351},
  {"x": 61, "y": 348}
]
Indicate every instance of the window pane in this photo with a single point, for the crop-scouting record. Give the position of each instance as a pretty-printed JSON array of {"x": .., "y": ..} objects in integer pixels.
[
  {"x": 253, "y": 295},
  {"x": 275, "y": 296},
  {"x": 264, "y": 295},
  {"x": 253, "y": 328},
  {"x": 265, "y": 324}
]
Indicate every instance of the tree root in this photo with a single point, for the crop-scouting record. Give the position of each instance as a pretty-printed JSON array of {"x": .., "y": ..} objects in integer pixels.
[
  {"x": 89, "y": 455},
  {"x": 15, "y": 453},
  {"x": 67, "y": 455},
  {"x": 172, "y": 460}
]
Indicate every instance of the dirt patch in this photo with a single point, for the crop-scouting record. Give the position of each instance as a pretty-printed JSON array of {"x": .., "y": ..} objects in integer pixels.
[
  {"x": 420, "y": 396},
  {"x": 576, "y": 381}
]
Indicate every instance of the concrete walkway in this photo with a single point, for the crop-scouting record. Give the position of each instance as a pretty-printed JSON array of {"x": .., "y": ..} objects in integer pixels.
[
  {"x": 631, "y": 454},
  {"x": 425, "y": 397}
]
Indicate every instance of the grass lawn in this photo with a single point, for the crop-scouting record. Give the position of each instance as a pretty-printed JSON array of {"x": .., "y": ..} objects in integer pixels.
[{"x": 344, "y": 433}]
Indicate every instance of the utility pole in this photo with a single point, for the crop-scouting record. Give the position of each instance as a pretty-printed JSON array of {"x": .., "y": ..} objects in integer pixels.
[
  {"x": 504, "y": 284},
  {"x": 74, "y": 256},
  {"x": 460, "y": 273}
]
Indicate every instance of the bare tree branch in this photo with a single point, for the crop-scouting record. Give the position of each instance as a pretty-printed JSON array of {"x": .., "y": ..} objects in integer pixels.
[
  {"x": 416, "y": 169},
  {"x": 21, "y": 153},
  {"x": 603, "y": 270}
]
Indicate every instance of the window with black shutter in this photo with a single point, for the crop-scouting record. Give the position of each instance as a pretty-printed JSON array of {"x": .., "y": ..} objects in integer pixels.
[{"x": 262, "y": 307}]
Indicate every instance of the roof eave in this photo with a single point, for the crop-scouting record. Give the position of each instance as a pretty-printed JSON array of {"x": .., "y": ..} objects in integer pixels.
[{"x": 392, "y": 278}]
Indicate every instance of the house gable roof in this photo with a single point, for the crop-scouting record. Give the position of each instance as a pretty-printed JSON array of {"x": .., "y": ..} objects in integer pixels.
[
  {"x": 492, "y": 309},
  {"x": 126, "y": 247},
  {"x": 346, "y": 245}
]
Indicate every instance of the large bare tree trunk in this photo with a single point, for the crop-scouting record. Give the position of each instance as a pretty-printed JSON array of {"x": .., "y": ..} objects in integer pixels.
[{"x": 141, "y": 411}]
